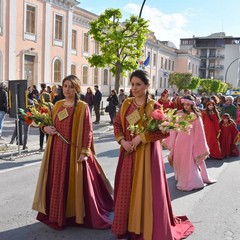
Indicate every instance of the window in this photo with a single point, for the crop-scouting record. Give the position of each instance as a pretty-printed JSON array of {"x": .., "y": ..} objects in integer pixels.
[
  {"x": 58, "y": 27},
  {"x": 57, "y": 74},
  {"x": 153, "y": 81},
  {"x": 74, "y": 40},
  {"x": 173, "y": 65},
  {"x": 95, "y": 77},
  {"x": 161, "y": 62},
  {"x": 31, "y": 19},
  {"x": 73, "y": 69},
  {"x": 105, "y": 77},
  {"x": 29, "y": 68},
  {"x": 85, "y": 42},
  {"x": 160, "y": 82},
  {"x": 97, "y": 47},
  {"x": 85, "y": 74},
  {"x": 189, "y": 66},
  {"x": 169, "y": 64},
  {"x": 165, "y": 67},
  {"x": 154, "y": 59},
  {"x": 165, "y": 82}
]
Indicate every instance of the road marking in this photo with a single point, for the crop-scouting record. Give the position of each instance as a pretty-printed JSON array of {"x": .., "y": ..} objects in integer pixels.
[{"x": 15, "y": 168}]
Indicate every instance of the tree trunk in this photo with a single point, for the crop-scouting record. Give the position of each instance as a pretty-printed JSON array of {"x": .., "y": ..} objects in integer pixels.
[{"x": 117, "y": 77}]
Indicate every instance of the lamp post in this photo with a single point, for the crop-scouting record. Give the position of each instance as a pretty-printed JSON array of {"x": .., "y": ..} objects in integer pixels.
[
  {"x": 140, "y": 13},
  {"x": 229, "y": 67}
]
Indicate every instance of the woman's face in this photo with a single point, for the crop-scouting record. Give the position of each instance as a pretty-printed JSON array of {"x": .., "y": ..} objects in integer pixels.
[
  {"x": 138, "y": 87},
  {"x": 187, "y": 107},
  {"x": 68, "y": 90},
  {"x": 210, "y": 106}
]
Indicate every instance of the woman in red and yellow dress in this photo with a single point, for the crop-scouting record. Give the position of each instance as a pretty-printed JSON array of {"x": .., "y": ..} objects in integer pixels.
[
  {"x": 211, "y": 118},
  {"x": 72, "y": 188},
  {"x": 142, "y": 204}
]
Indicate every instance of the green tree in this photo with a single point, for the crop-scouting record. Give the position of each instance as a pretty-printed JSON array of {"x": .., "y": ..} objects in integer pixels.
[
  {"x": 121, "y": 44},
  {"x": 180, "y": 80},
  {"x": 213, "y": 86},
  {"x": 194, "y": 84}
]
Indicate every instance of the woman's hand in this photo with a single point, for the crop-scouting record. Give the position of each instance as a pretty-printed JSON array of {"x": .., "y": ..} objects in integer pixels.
[
  {"x": 50, "y": 130},
  {"x": 82, "y": 158},
  {"x": 127, "y": 145},
  {"x": 136, "y": 141}
]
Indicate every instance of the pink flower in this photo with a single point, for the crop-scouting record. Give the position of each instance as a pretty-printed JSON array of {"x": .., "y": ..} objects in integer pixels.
[{"x": 158, "y": 115}]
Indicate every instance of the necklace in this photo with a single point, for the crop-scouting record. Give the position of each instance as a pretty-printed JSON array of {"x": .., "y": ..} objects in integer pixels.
[
  {"x": 68, "y": 104},
  {"x": 135, "y": 102}
]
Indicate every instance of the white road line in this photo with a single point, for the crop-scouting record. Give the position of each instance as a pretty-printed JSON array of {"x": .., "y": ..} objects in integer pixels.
[{"x": 15, "y": 168}]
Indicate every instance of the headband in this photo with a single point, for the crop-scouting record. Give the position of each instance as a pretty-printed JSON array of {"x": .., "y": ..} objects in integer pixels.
[{"x": 183, "y": 100}]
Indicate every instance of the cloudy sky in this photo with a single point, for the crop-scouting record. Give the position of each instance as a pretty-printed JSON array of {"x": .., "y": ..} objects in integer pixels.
[{"x": 174, "y": 19}]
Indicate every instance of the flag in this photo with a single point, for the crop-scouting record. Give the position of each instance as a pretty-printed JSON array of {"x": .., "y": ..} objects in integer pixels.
[{"x": 147, "y": 61}]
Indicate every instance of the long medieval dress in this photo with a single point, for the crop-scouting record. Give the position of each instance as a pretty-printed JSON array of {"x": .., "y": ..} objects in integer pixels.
[
  {"x": 212, "y": 132},
  {"x": 187, "y": 155},
  {"x": 71, "y": 193},
  {"x": 142, "y": 204},
  {"x": 229, "y": 139}
]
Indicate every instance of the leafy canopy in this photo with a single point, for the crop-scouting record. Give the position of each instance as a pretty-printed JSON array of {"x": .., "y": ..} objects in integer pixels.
[{"x": 120, "y": 44}]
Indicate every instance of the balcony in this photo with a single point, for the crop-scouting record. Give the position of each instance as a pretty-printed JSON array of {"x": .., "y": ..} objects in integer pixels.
[
  {"x": 220, "y": 56},
  {"x": 203, "y": 66},
  {"x": 211, "y": 66},
  {"x": 219, "y": 67},
  {"x": 212, "y": 55}
]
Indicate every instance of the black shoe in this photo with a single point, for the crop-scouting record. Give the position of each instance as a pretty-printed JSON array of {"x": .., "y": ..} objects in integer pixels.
[
  {"x": 40, "y": 149},
  {"x": 24, "y": 148},
  {"x": 96, "y": 122}
]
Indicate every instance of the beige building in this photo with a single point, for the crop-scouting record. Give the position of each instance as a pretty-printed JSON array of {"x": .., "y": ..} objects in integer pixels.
[
  {"x": 46, "y": 40},
  {"x": 220, "y": 56}
]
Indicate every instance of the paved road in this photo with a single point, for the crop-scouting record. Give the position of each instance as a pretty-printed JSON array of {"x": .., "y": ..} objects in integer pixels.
[{"x": 214, "y": 210}]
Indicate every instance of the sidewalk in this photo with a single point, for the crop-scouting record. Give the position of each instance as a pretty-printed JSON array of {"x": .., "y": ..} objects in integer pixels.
[{"x": 8, "y": 150}]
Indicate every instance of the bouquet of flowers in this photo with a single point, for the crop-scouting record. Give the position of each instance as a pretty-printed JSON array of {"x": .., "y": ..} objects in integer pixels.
[
  {"x": 164, "y": 121},
  {"x": 39, "y": 115}
]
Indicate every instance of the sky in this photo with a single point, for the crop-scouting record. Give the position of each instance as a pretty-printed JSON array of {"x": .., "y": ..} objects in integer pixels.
[{"x": 171, "y": 20}]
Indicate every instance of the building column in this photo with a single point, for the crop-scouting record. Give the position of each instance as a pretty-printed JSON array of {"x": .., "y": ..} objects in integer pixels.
[
  {"x": 69, "y": 43},
  {"x": 47, "y": 64},
  {"x": 12, "y": 40}
]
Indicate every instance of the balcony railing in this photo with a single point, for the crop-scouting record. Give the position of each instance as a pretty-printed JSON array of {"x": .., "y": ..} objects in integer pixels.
[
  {"x": 219, "y": 66},
  {"x": 220, "y": 56}
]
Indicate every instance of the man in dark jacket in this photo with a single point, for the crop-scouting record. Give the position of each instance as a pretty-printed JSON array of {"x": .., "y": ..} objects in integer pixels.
[
  {"x": 96, "y": 102},
  {"x": 3, "y": 104}
]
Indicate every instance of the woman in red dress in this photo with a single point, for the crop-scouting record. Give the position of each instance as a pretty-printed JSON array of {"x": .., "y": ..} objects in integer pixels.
[
  {"x": 72, "y": 188},
  {"x": 229, "y": 136},
  {"x": 211, "y": 118},
  {"x": 142, "y": 204}
]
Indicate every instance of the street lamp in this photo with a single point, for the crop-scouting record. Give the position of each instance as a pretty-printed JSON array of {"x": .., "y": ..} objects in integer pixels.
[
  {"x": 229, "y": 67},
  {"x": 140, "y": 13}
]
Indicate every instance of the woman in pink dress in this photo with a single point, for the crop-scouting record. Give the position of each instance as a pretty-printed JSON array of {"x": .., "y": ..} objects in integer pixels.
[
  {"x": 188, "y": 151},
  {"x": 72, "y": 188},
  {"x": 142, "y": 204},
  {"x": 211, "y": 118}
]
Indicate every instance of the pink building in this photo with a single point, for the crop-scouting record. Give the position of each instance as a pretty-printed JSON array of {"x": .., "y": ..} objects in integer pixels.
[{"x": 46, "y": 40}]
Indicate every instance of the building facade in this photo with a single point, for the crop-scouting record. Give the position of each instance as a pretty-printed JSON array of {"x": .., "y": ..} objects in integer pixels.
[
  {"x": 219, "y": 55},
  {"x": 46, "y": 40}
]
